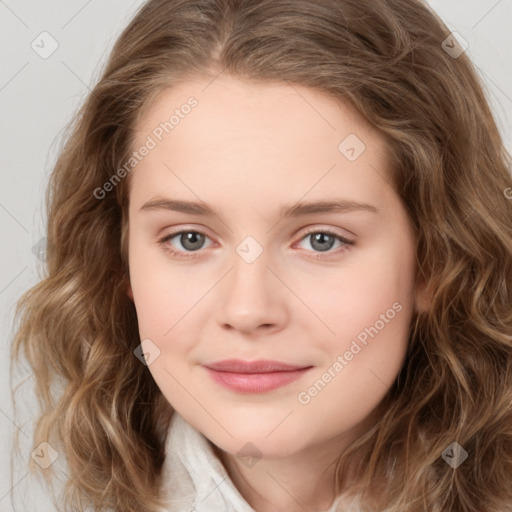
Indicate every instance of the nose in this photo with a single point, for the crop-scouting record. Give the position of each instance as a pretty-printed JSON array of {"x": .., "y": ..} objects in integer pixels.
[{"x": 252, "y": 299}]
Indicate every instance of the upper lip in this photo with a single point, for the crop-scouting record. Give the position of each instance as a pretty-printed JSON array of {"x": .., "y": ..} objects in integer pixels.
[{"x": 260, "y": 366}]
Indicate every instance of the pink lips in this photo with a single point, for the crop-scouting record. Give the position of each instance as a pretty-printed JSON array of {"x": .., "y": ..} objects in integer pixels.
[{"x": 254, "y": 376}]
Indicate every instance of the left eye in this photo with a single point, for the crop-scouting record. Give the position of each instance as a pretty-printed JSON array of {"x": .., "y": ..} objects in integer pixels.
[{"x": 323, "y": 241}]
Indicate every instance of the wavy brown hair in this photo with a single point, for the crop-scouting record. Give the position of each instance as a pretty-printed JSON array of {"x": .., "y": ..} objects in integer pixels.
[{"x": 78, "y": 329}]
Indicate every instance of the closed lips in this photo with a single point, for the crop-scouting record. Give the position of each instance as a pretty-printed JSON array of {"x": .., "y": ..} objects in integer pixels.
[{"x": 263, "y": 366}]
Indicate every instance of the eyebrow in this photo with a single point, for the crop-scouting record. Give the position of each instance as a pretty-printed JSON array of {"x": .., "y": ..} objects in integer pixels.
[{"x": 287, "y": 211}]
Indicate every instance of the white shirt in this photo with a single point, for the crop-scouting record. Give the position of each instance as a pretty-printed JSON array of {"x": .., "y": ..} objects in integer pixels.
[{"x": 195, "y": 480}]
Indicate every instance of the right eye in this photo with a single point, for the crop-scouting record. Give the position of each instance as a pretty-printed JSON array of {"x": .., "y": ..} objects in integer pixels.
[{"x": 191, "y": 240}]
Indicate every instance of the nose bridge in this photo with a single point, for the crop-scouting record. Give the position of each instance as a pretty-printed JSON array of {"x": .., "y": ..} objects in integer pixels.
[
  {"x": 249, "y": 281},
  {"x": 251, "y": 295}
]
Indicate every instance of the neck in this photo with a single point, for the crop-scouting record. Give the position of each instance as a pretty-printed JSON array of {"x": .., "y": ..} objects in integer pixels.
[{"x": 301, "y": 481}]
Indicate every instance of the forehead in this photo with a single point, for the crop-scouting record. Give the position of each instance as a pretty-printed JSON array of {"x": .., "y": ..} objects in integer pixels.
[
  {"x": 245, "y": 106},
  {"x": 255, "y": 137}
]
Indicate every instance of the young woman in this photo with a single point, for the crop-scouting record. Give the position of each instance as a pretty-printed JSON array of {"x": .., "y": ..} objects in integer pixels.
[{"x": 279, "y": 273}]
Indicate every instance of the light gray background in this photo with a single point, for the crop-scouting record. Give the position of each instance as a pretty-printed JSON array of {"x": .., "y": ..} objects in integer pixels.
[{"x": 38, "y": 98}]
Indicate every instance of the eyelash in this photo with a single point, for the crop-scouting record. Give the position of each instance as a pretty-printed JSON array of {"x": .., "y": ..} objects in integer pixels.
[{"x": 191, "y": 254}]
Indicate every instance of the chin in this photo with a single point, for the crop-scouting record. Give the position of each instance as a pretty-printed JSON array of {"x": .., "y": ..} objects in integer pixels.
[
  {"x": 256, "y": 439},
  {"x": 243, "y": 448}
]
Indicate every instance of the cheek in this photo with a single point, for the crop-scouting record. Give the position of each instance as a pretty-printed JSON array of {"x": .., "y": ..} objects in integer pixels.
[
  {"x": 361, "y": 361},
  {"x": 372, "y": 289},
  {"x": 163, "y": 293},
  {"x": 369, "y": 309}
]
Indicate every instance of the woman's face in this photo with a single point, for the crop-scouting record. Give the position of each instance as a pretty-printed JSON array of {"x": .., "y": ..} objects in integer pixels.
[{"x": 260, "y": 170}]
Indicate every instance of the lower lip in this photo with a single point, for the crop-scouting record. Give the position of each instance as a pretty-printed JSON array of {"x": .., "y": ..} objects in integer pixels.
[{"x": 255, "y": 382}]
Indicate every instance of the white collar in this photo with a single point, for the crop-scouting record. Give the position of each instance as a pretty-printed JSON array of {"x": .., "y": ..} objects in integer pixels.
[{"x": 194, "y": 478}]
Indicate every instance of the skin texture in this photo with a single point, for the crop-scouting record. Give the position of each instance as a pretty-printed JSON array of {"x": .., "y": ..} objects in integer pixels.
[{"x": 247, "y": 149}]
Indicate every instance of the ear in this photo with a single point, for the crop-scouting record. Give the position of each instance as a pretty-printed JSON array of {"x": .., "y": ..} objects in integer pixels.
[
  {"x": 423, "y": 295},
  {"x": 129, "y": 291}
]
